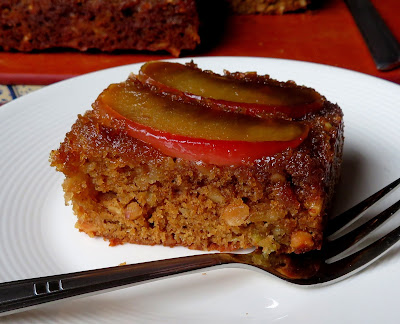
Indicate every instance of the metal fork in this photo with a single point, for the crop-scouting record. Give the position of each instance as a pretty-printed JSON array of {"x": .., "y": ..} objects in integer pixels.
[{"x": 308, "y": 269}]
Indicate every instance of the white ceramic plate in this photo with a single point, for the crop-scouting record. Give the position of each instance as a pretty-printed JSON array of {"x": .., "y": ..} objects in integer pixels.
[{"x": 38, "y": 238}]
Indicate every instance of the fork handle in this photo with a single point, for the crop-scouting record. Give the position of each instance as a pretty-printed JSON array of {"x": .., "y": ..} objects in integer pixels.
[{"x": 18, "y": 295}]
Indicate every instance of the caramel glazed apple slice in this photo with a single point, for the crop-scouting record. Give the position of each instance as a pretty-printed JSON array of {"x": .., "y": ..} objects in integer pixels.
[
  {"x": 193, "y": 131},
  {"x": 245, "y": 93}
]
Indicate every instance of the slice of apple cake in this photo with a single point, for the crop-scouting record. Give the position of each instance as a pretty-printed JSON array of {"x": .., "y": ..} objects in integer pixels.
[{"x": 155, "y": 162}]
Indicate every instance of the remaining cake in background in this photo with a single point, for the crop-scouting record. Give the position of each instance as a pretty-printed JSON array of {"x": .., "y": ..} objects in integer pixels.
[
  {"x": 153, "y": 25},
  {"x": 154, "y": 163},
  {"x": 267, "y": 6},
  {"x": 144, "y": 25}
]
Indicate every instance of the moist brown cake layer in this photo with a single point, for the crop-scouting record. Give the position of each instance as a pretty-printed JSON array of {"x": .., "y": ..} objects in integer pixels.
[
  {"x": 107, "y": 25},
  {"x": 126, "y": 191}
]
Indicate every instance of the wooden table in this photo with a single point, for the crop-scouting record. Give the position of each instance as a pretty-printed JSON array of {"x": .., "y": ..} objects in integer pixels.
[{"x": 326, "y": 35}]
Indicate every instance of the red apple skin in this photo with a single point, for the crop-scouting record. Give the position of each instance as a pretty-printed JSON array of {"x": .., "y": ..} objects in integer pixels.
[
  {"x": 218, "y": 152},
  {"x": 296, "y": 111}
]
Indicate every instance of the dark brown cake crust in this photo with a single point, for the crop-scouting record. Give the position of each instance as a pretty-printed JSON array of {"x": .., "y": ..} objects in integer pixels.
[
  {"x": 126, "y": 191},
  {"x": 107, "y": 25}
]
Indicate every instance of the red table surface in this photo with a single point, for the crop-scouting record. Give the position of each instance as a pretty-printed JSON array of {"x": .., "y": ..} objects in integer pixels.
[{"x": 327, "y": 35}]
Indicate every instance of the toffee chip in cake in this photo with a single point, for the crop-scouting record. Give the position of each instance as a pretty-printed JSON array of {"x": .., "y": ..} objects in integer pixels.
[{"x": 183, "y": 157}]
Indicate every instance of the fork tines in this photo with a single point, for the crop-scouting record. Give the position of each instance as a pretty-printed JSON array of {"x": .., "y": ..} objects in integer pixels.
[
  {"x": 365, "y": 256},
  {"x": 355, "y": 212}
]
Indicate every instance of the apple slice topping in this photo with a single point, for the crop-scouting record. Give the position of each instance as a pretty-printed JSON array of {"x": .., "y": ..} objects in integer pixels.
[
  {"x": 244, "y": 93},
  {"x": 195, "y": 132}
]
